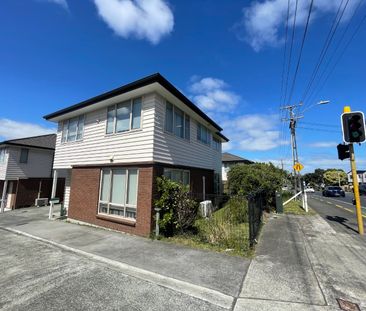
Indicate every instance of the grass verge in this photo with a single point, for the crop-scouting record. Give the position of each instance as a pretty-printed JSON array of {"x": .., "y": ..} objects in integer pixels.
[{"x": 295, "y": 208}]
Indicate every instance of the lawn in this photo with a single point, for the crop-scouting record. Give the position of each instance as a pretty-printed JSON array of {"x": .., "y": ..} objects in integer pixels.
[{"x": 227, "y": 230}]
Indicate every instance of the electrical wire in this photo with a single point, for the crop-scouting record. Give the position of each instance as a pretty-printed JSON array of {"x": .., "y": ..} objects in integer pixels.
[{"x": 301, "y": 49}]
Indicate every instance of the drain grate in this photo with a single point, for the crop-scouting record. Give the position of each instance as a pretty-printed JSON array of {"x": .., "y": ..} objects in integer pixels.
[{"x": 347, "y": 305}]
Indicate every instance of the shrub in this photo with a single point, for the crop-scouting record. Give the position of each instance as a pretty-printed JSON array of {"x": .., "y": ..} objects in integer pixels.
[
  {"x": 246, "y": 179},
  {"x": 178, "y": 210}
]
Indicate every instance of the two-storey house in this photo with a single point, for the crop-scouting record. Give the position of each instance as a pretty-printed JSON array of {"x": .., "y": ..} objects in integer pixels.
[
  {"x": 113, "y": 146},
  {"x": 26, "y": 170}
]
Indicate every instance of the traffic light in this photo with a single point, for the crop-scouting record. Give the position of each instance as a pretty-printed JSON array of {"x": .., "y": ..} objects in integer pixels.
[
  {"x": 353, "y": 127},
  {"x": 343, "y": 152}
]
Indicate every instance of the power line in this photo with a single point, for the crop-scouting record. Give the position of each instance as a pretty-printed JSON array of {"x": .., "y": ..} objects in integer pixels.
[
  {"x": 336, "y": 48},
  {"x": 325, "y": 48},
  {"x": 291, "y": 48},
  {"x": 285, "y": 52},
  {"x": 301, "y": 49},
  {"x": 341, "y": 55},
  {"x": 319, "y": 124},
  {"x": 318, "y": 130}
]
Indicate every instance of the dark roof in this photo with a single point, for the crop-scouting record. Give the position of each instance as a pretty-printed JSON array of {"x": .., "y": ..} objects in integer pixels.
[
  {"x": 154, "y": 78},
  {"x": 358, "y": 172},
  {"x": 43, "y": 142},
  {"x": 228, "y": 157}
]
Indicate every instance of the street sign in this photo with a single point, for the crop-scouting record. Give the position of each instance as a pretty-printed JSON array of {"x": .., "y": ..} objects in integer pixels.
[{"x": 298, "y": 167}]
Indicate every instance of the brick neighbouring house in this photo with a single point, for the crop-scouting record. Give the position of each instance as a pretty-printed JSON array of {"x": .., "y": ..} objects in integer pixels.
[
  {"x": 26, "y": 170},
  {"x": 113, "y": 146}
]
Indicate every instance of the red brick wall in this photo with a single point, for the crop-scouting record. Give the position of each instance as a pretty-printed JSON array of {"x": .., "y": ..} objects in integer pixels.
[{"x": 84, "y": 197}]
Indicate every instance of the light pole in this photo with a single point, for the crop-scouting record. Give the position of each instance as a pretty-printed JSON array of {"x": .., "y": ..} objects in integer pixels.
[{"x": 293, "y": 117}]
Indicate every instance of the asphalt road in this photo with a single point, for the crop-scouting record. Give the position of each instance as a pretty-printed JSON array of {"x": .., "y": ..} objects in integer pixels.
[
  {"x": 38, "y": 276},
  {"x": 339, "y": 212}
]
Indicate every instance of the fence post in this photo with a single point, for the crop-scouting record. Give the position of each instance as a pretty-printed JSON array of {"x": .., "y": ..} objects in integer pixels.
[{"x": 157, "y": 228}]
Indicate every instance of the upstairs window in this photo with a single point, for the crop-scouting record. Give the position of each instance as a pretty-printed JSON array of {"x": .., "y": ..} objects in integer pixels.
[
  {"x": 2, "y": 155},
  {"x": 124, "y": 116},
  {"x": 216, "y": 144},
  {"x": 203, "y": 134},
  {"x": 72, "y": 129},
  {"x": 177, "y": 122},
  {"x": 23, "y": 155}
]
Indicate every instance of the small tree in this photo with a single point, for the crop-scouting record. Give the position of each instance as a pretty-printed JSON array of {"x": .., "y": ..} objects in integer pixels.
[
  {"x": 178, "y": 210},
  {"x": 335, "y": 177},
  {"x": 246, "y": 179}
]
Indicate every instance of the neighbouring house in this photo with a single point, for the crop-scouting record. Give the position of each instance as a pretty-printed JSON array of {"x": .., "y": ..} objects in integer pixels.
[
  {"x": 361, "y": 176},
  {"x": 113, "y": 146},
  {"x": 228, "y": 161},
  {"x": 26, "y": 170}
]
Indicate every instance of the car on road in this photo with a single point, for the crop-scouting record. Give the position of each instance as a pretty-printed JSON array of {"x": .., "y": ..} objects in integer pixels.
[
  {"x": 310, "y": 189},
  {"x": 362, "y": 189},
  {"x": 333, "y": 191}
]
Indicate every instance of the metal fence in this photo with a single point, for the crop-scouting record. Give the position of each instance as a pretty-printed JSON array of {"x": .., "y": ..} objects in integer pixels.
[{"x": 256, "y": 206}]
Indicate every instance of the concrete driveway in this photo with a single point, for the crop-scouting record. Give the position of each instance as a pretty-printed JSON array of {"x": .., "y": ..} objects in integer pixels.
[{"x": 100, "y": 259}]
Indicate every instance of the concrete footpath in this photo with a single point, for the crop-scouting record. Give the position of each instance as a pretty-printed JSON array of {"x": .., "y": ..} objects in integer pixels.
[{"x": 301, "y": 263}]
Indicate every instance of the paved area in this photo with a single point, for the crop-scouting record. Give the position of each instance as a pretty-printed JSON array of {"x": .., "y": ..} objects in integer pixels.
[
  {"x": 340, "y": 213},
  {"x": 301, "y": 263},
  {"x": 37, "y": 276}
]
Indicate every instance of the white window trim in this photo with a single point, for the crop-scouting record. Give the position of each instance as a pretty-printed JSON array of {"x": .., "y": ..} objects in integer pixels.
[
  {"x": 2, "y": 155},
  {"x": 67, "y": 130},
  {"x": 184, "y": 123},
  {"x": 131, "y": 117},
  {"x": 108, "y": 203}
]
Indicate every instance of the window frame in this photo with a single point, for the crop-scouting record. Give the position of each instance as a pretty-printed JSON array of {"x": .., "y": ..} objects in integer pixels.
[
  {"x": 216, "y": 143},
  {"x": 168, "y": 169},
  {"x": 21, "y": 160},
  {"x": 199, "y": 134},
  {"x": 65, "y": 131},
  {"x": 130, "y": 129},
  {"x": 108, "y": 203},
  {"x": 186, "y": 121},
  {"x": 2, "y": 155}
]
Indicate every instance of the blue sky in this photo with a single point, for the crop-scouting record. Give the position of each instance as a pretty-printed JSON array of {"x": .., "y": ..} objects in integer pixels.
[{"x": 227, "y": 56}]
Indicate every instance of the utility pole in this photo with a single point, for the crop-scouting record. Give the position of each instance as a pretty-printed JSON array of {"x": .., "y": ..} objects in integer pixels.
[{"x": 295, "y": 157}]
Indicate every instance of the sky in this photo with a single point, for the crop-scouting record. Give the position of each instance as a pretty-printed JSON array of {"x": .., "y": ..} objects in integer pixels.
[{"x": 229, "y": 57}]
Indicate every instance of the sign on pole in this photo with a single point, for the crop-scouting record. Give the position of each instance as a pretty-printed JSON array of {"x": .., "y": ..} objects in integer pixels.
[{"x": 298, "y": 167}]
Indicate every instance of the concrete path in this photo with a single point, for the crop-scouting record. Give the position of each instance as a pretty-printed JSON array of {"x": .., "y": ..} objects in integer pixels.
[{"x": 303, "y": 264}]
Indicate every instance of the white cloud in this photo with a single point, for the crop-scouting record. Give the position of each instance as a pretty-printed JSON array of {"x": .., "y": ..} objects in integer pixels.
[
  {"x": 10, "y": 129},
  {"x": 212, "y": 95},
  {"x": 62, "y": 3},
  {"x": 323, "y": 144},
  {"x": 258, "y": 132},
  {"x": 142, "y": 19},
  {"x": 263, "y": 22}
]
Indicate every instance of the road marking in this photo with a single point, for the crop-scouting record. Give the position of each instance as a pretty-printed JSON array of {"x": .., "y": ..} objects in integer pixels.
[
  {"x": 335, "y": 200},
  {"x": 348, "y": 210},
  {"x": 329, "y": 202},
  {"x": 200, "y": 292}
]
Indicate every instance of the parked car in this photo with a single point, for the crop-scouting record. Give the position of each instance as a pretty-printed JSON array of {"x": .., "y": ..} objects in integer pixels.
[
  {"x": 333, "y": 191},
  {"x": 310, "y": 189}
]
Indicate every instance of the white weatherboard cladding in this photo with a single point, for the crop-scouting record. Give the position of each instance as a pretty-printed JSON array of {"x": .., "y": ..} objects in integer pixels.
[
  {"x": 97, "y": 147},
  {"x": 67, "y": 177},
  {"x": 39, "y": 163},
  {"x": 150, "y": 143},
  {"x": 171, "y": 149},
  {"x": 3, "y": 166}
]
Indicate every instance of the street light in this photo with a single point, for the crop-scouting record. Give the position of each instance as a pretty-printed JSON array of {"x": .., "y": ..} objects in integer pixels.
[{"x": 322, "y": 102}]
